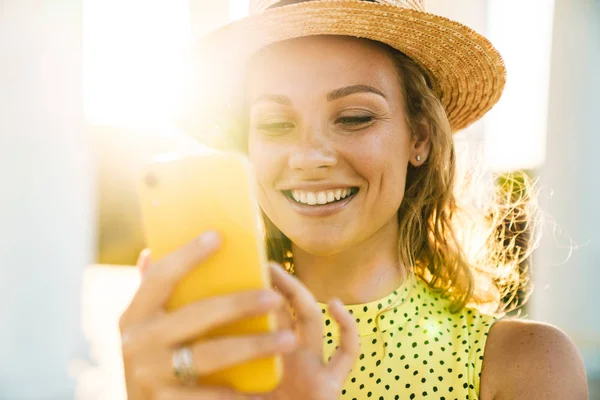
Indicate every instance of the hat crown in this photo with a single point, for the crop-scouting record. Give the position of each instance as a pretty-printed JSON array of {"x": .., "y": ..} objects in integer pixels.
[{"x": 257, "y": 6}]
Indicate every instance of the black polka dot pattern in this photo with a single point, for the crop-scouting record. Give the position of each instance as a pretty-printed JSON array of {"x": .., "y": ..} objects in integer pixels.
[{"x": 415, "y": 349}]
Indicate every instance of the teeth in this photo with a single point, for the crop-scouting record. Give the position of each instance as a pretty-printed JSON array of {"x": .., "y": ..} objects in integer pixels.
[
  {"x": 324, "y": 197},
  {"x": 330, "y": 197}
]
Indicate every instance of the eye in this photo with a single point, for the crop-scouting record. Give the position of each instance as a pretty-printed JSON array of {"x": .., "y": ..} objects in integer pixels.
[
  {"x": 276, "y": 127},
  {"x": 354, "y": 121}
]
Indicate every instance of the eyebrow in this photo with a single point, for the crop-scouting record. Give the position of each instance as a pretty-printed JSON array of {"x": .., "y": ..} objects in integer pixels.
[
  {"x": 348, "y": 90},
  {"x": 331, "y": 96}
]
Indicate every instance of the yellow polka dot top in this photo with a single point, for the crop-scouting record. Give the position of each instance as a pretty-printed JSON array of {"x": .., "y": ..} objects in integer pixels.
[{"x": 416, "y": 350}]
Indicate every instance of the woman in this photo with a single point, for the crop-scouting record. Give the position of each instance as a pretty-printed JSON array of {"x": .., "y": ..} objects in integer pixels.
[{"x": 351, "y": 140}]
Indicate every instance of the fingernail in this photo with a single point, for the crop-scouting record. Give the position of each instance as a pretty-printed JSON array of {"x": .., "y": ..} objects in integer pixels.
[
  {"x": 210, "y": 238},
  {"x": 336, "y": 301},
  {"x": 144, "y": 254},
  {"x": 269, "y": 297},
  {"x": 286, "y": 338}
]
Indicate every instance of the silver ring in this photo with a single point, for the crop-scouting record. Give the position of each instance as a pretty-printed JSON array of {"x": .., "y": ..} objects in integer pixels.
[{"x": 183, "y": 366}]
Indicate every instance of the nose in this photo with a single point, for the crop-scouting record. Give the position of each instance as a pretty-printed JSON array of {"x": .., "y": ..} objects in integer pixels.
[{"x": 312, "y": 152}]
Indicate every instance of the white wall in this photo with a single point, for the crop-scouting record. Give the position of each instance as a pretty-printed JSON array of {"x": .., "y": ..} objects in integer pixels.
[
  {"x": 469, "y": 12},
  {"x": 568, "y": 285},
  {"x": 472, "y": 13},
  {"x": 46, "y": 197},
  {"x": 516, "y": 128}
]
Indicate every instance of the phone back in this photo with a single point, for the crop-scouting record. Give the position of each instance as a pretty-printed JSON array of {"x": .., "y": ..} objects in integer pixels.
[{"x": 180, "y": 198}]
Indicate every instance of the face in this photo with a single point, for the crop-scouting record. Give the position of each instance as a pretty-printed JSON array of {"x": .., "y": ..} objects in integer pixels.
[{"x": 328, "y": 140}]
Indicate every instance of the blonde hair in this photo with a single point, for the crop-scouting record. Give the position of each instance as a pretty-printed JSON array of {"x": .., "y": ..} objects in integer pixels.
[{"x": 470, "y": 239}]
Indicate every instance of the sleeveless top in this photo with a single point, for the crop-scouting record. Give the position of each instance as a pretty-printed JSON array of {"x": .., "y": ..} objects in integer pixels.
[{"x": 416, "y": 350}]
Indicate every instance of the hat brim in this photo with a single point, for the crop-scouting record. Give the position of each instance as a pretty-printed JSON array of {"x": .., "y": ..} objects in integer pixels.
[{"x": 467, "y": 72}]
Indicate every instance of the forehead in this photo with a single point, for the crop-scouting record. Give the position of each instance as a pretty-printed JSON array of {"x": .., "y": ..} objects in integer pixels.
[{"x": 326, "y": 62}]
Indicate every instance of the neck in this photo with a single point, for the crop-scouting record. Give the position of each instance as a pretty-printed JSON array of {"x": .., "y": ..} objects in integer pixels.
[{"x": 366, "y": 272}]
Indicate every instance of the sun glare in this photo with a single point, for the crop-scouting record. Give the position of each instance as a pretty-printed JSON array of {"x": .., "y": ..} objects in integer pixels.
[
  {"x": 516, "y": 128},
  {"x": 238, "y": 9},
  {"x": 132, "y": 60}
]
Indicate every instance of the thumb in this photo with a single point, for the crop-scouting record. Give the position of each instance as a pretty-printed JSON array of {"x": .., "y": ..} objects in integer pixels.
[{"x": 143, "y": 261}]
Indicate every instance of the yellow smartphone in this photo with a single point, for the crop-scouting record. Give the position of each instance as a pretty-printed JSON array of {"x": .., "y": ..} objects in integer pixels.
[{"x": 182, "y": 196}]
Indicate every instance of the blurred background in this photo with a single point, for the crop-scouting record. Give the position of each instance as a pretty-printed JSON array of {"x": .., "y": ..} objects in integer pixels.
[{"x": 86, "y": 90}]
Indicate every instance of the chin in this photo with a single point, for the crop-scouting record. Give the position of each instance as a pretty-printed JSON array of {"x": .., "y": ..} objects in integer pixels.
[{"x": 319, "y": 245}]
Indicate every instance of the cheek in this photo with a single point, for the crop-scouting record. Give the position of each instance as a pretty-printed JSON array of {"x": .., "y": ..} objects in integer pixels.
[
  {"x": 382, "y": 155},
  {"x": 266, "y": 161},
  {"x": 382, "y": 160},
  {"x": 260, "y": 157}
]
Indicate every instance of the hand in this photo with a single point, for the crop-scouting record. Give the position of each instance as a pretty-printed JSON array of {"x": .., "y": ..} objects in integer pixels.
[
  {"x": 306, "y": 376},
  {"x": 150, "y": 335}
]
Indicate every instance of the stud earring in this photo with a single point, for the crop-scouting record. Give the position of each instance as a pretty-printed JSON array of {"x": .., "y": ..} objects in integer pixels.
[{"x": 418, "y": 158}]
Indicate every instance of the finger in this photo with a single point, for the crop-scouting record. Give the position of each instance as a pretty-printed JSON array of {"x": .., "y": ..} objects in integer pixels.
[
  {"x": 178, "y": 392},
  {"x": 283, "y": 317},
  {"x": 162, "y": 276},
  {"x": 143, "y": 261},
  {"x": 193, "y": 320},
  {"x": 308, "y": 314},
  {"x": 218, "y": 354},
  {"x": 214, "y": 355},
  {"x": 344, "y": 357},
  {"x": 300, "y": 298}
]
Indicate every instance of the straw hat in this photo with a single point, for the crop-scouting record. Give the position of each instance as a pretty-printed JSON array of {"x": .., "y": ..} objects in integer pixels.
[{"x": 466, "y": 71}]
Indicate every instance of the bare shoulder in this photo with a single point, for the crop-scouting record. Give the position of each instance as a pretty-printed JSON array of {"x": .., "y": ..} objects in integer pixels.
[{"x": 531, "y": 360}]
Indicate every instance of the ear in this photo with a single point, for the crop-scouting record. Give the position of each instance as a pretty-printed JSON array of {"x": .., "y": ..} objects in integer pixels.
[{"x": 420, "y": 145}]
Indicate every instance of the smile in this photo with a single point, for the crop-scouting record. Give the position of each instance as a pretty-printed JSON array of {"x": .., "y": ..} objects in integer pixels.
[{"x": 320, "y": 198}]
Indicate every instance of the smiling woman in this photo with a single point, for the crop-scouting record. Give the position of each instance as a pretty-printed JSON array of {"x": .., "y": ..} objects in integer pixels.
[
  {"x": 347, "y": 115},
  {"x": 339, "y": 132}
]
